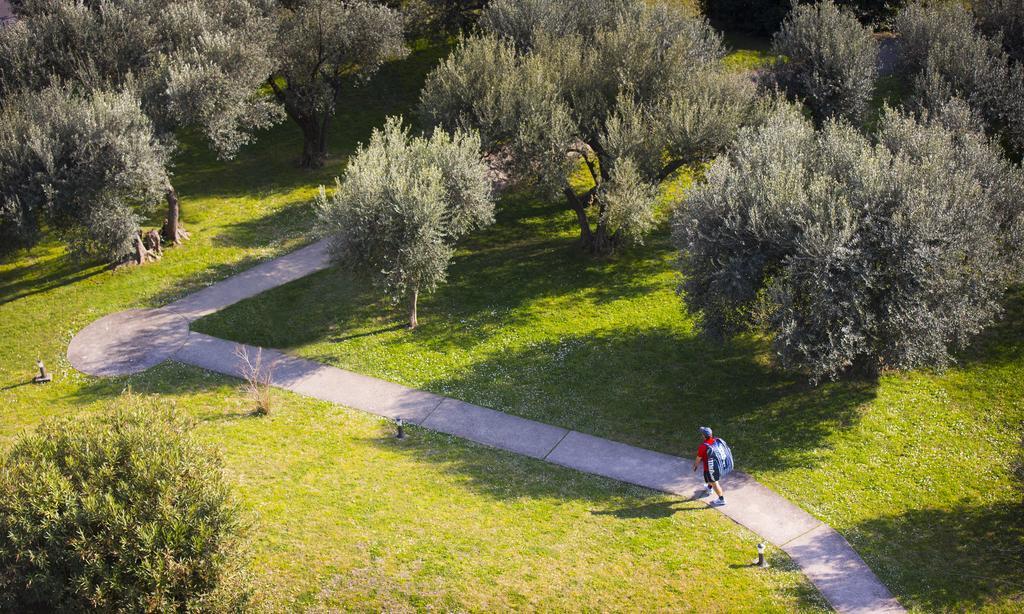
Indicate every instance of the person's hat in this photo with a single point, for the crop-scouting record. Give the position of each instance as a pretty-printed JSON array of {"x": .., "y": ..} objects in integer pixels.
[{"x": 705, "y": 431}]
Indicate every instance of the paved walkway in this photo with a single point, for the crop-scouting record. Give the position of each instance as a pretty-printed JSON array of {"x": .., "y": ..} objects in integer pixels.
[{"x": 131, "y": 341}]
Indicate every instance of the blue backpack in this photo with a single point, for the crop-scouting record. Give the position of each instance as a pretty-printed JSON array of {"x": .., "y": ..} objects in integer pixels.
[{"x": 723, "y": 455}]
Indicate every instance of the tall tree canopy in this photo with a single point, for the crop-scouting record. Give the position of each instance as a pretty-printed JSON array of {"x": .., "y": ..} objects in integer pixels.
[
  {"x": 193, "y": 63},
  {"x": 86, "y": 167},
  {"x": 632, "y": 90},
  {"x": 852, "y": 253},
  {"x": 320, "y": 46},
  {"x": 403, "y": 203}
]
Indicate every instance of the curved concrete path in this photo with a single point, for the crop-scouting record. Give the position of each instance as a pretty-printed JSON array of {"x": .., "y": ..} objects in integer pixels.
[{"x": 132, "y": 341}]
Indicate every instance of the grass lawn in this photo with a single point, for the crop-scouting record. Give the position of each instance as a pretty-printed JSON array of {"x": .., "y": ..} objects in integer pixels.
[
  {"x": 913, "y": 469},
  {"x": 344, "y": 516}
]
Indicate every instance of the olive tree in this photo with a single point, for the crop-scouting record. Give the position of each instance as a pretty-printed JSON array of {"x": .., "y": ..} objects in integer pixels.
[
  {"x": 632, "y": 92},
  {"x": 402, "y": 204},
  {"x": 854, "y": 255},
  {"x": 87, "y": 167},
  {"x": 944, "y": 55},
  {"x": 320, "y": 46},
  {"x": 122, "y": 512},
  {"x": 195, "y": 64},
  {"x": 831, "y": 61}
]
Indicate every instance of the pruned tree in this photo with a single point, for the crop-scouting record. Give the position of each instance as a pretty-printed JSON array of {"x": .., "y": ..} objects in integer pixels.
[
  {"x": 320, "y": 46},
  {"x": 831, "y": 61},
  {"x": 945, "y": 55},
  {"x": 634, "y": 92},
  {"x": 402, "y": 204},
  {"x": 88, "y": 167},
  {"x": 853, "y": 255},
  {"x": 195, "y": 64}
]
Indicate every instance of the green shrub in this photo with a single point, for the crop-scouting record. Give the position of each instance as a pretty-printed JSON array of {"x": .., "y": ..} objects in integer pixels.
[
  {"x": 832, "y": 62},
  {"x": 124, "y": 511}
]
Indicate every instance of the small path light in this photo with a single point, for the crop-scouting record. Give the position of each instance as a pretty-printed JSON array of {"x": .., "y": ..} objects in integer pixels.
[
  {"x": 43, "y": 376},
  {"x": 401, "y": 428},
  {"x": 760, "y": 562}
]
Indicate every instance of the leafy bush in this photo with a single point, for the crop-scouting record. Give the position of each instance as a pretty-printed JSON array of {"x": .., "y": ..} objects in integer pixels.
[
  {"x": 832, "y": 62},
  {"x": 87, "y": 166},
  {"x": 121, "y": 512},
  {"x": 402, "y": 205},
  {"x": 852, "y": 254}
]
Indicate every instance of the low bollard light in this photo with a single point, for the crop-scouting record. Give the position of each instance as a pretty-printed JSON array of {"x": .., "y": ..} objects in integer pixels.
[
  {"x": 760, "y": 562},
  {"x": 43, "y": 376},
  {"x": 401, "y": 428}
]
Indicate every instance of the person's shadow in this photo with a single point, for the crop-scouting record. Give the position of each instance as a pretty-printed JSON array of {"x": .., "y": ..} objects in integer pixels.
[{"x": 659, "y": 509}]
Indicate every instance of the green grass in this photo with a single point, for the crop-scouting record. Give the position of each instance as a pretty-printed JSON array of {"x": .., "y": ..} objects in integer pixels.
[
  {"x": 747, "y": 52},
  {"x": 349, "y": 518},
  {"x": 913, "y": 469},
  {"x": 344, "y": 516}
]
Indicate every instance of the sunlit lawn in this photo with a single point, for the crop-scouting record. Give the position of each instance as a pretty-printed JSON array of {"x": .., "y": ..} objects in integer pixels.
[
  {"x": 913, "y": 469},
  {"x": 344, "y": 517}
]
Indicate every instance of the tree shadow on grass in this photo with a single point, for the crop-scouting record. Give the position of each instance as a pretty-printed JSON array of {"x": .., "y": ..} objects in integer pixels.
[
  {"x": 293, "y": 219},
  {"x": 652, "y": 388},
  {"x": 497, "y": 273},
  {"x": 955, "y": 559},
  {"x": 1003, "y": 342},
  {"x": 44, "y": 274},
  {"x": 168, "y": 378}
]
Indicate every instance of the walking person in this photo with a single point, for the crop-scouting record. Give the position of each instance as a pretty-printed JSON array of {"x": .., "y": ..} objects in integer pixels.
[{"x": 713, "y": 470}]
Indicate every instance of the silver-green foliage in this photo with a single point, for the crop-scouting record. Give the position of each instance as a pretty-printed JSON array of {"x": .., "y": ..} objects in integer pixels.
[
  {"x": 123, "y": 512},
  {"x": 402, "y": 204},
  {"x": 85, "y": 166},
  {"x": 852, "y": 253},
  {"x": 634, "y": 91},
  {"x": 944, "y": 54},
  {"x": 194, "y": 63},
  {"x": 832, "y": 61}
]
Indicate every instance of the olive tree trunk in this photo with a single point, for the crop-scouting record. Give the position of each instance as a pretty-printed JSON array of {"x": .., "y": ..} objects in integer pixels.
[
  {"x": 314, "y": 141},
  {"x": 173, "y": 232},
  {"x": 413, "y": 323}
]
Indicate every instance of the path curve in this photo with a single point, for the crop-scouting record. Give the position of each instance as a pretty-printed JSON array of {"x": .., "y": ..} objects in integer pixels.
[
  {"x": 132, "y": 341},
  {"x": 127, "y": 342}
]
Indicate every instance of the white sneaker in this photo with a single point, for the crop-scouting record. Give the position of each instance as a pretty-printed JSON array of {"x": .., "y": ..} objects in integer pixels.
[{"x": 718, "y": 502}]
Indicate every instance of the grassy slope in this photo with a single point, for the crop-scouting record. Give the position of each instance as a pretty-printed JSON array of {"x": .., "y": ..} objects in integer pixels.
[
  {"x": 913, "y": 469},
  {"x": 346, "y": 517}
]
